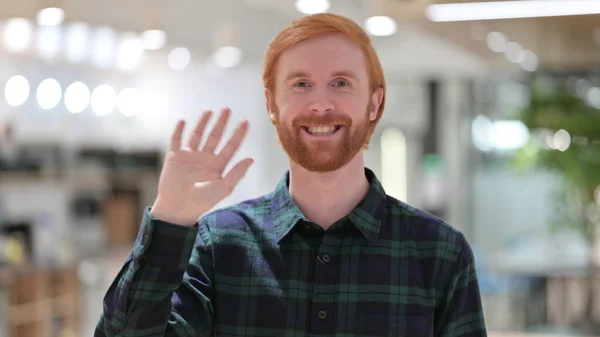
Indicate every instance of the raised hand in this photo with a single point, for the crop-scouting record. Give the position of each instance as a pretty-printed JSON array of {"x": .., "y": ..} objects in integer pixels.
[{"x": 192, "y": 180}]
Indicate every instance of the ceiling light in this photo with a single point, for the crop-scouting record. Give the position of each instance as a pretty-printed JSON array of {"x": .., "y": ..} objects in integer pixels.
[
  {"x": 510, "y": 9},
  {"x": 104, "y": 100},
  {"x": 380, "y": 26},
  {"x": 16, "y": 90},
  {"x": 130, "y": 52},
  {"x": 49, "y": 93},
  {"x": 312, "y": 6},
  {"x": 77, "y": 42},
  {"x": 530, "y": 61},
  {"x": 48, "y": 41},
  {"x": 496, "y": 41},
  {"x": 179, "y": 58},
  {"x": 52, "y": 16},
  {"x": 77, "y": 97},
  {"x": 154, "y": 39},
  {"x": 227, "y": 57},
  {"x": 514, "y": 52},
  {"x": 104, "y": 47},
  {"x": 18, "y": 33}
]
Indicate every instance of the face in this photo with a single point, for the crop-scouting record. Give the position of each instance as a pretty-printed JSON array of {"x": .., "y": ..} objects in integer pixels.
[{"x": 322, "y": 105}]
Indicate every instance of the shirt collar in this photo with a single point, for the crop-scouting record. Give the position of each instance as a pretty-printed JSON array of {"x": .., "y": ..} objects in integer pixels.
[{"x": 366, "y": 216}]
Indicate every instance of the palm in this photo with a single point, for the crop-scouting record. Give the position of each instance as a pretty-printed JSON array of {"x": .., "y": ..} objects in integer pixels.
[
  {"x": 192, "y": 180},
  {"x": 190, "y": 171}
]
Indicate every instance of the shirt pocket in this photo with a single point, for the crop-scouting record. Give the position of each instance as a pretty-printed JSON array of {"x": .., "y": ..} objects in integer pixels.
[{"x": 378, "y": 325}]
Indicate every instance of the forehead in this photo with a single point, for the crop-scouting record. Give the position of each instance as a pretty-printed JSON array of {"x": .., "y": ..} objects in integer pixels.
[{"x": 325, "y": 54}]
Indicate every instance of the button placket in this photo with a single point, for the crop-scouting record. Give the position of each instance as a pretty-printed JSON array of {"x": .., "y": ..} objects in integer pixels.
[{"x": 325, "y": 274}]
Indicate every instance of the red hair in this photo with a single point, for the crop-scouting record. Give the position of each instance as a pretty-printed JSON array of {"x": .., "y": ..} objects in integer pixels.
[{"x": 312, "y": 26}]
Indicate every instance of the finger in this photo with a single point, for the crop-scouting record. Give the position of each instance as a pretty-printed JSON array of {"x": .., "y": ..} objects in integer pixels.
[
  {"x": 196, "y": 136},
  {"x": 234, "y": 142},
  {"x": 217, "y": 131},
  {"x": 176, "y": 137},
  {"x": 236, "y": 174}
]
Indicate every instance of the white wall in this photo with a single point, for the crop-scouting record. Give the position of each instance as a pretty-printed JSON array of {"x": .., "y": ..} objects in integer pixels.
[{"x": 506, "y": 206}]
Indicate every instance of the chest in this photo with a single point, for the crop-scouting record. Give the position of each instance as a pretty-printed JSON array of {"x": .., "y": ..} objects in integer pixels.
[{"x": 320, "y": 286}]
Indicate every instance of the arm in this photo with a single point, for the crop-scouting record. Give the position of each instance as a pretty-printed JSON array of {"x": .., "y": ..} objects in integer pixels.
[
  {"x": 165, "y": 286},
  {"x": 460, "y": 313}
]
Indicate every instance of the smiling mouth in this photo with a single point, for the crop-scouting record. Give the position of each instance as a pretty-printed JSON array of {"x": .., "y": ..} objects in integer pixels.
[{"x": 321, "y": 130}]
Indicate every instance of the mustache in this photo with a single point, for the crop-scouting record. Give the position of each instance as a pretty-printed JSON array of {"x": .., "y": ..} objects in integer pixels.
[{"x": 328, "y": 119}]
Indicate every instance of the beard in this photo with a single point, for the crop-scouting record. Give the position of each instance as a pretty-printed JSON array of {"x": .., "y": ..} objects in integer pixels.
[{"x": 323, "y": 155}]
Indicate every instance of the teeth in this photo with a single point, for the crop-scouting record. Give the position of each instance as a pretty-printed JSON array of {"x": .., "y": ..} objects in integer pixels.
[{"x": 321, "y": 130}]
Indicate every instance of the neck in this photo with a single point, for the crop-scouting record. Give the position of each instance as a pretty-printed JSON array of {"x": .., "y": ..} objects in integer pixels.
[{"x": 324, "y": 198}]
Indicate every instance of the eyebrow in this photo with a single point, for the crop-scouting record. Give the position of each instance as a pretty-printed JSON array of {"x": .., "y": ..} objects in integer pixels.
[
  {"x": 300, "y": 74},
  {"x": 349, "y": 74}
]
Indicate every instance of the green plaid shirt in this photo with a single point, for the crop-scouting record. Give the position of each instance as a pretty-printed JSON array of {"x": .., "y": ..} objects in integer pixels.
[{"x": 260, "y": 268}]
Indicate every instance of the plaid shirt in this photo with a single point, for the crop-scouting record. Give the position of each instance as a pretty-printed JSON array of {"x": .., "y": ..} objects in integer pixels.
[{"x": 260, "y": 268}]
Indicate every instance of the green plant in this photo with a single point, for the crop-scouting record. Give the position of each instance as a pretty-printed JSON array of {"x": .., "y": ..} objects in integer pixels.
[{"x": 576, "y": 160}]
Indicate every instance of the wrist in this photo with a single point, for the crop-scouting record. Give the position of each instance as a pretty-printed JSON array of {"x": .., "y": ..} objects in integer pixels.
[{"x": 162, "y": 212}]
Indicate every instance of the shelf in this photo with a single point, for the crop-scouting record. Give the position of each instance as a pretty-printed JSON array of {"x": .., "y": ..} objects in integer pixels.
[
  {"x": 9, "y": 176},
  {"x": 41, "y": 300},
  {"x": 43, "y": 310}
]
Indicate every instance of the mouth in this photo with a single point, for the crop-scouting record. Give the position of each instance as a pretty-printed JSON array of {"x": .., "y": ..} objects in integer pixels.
[{"x": 322, "y": 130}]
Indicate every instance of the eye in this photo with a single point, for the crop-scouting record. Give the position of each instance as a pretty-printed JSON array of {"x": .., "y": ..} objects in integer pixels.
[
  {"x": 341, "y": 83},
  {"x": 302, "y": 84}
]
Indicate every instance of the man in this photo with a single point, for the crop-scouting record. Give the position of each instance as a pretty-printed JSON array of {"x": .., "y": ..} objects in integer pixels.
[{"x": 327, "y": 253}]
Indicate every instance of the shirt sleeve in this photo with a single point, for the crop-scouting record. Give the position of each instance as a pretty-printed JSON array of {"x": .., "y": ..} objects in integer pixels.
[
  {"x": 460, "y": 313},
  {"x": 164, "y": 287}
]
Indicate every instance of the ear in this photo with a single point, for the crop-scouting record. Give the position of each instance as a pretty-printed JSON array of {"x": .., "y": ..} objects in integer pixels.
[
  {"x": 376, "y": 100},
  {"x": 270, "y": 104}
]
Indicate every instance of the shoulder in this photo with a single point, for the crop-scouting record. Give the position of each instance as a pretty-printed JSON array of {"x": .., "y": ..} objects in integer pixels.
[
  {"x": 237, "y": 217},
  {"x": 443, "y": 251},
  {"x": 426, "y": 229}
]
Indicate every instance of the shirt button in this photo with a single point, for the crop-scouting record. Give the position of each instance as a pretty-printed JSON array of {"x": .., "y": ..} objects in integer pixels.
[
  {"x": 322, "y": 314},
  {"x": 326, "y": 258}
]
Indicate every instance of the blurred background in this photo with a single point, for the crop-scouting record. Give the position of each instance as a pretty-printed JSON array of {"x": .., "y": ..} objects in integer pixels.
[{"x": 492, "y": 122}]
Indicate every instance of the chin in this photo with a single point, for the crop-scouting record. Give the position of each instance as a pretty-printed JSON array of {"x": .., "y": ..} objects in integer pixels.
[{"x": 322, "y": 165}]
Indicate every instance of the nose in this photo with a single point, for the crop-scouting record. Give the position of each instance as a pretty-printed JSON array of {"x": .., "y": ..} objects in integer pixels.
[{"x": 321, "y": 105}]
